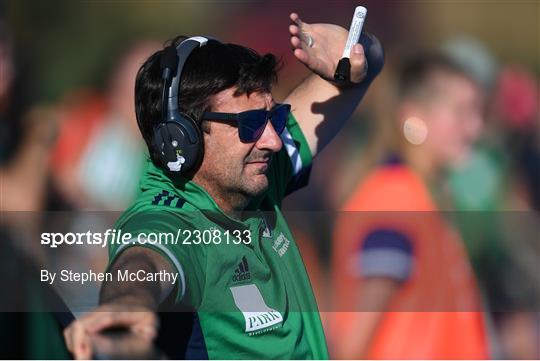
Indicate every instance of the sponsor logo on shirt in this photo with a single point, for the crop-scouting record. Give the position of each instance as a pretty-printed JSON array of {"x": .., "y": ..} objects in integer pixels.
[
  {"x": 267, "y": 232},
  {"x": 281, "y": 244},
  {"x": 241, "y": 273},
  {"x": 259, "y": 318}
]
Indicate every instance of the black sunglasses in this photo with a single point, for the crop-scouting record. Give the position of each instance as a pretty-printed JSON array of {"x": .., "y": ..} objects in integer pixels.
[{"x": 251, "y": 123}]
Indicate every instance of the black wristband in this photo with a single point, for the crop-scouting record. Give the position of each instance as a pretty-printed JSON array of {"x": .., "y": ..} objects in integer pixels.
[{"x": 342, "y": 76}]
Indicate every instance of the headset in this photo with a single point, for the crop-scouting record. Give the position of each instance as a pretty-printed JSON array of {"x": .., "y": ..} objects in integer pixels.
[{"x": 177, "y": 138}]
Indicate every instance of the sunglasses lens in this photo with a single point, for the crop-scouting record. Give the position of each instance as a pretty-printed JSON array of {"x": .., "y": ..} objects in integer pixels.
[
  {"x": 251, "y": 125},
  {"x": 279, "y": 117}
]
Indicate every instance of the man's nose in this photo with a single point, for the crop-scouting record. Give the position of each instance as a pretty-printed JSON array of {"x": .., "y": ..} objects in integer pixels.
[{"x": 269, "y": 139}]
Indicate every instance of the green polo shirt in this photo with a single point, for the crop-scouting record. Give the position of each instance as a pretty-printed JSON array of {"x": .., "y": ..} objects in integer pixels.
[{"x": 244, "y": 278}]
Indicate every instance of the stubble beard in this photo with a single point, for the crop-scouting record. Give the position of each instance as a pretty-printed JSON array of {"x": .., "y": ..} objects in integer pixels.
[{"x": 233, "y": 189}]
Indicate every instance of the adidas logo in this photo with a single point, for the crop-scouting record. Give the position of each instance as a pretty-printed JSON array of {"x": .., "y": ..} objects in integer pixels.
[{"x": 241, "y": 273}]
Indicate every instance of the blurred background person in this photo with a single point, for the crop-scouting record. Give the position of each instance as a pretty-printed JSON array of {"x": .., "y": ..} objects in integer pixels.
[
  {"x": 99, "y": 156},
  {"x": 27, "y": 133},
  {"x": 398, "y": 262},
  {"x": 495, "y": 195},
  {"x": 97, "y": 162}
]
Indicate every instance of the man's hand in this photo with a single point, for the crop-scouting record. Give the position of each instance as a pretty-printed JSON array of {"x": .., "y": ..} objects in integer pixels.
[
  {"x": 139, "y": 321},
  {"x": 327, "y": 44},
  {"x": 320, "y": 107}
]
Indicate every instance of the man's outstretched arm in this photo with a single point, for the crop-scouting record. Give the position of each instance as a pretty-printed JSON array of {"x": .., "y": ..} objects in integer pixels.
[
  {"x": 127, "y": 305},
  {"x": 319, "y": 105}
]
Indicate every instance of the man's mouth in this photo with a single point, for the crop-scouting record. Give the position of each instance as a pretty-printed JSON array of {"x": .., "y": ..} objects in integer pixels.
[
  {"x": 262, "y": 160},
  {"x": 261, "y": 165}
]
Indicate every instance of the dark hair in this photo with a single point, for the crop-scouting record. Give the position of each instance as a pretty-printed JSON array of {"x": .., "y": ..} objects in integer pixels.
[
  {"x": 417, "y": 71},
  {"x": 209, "y": 70}
]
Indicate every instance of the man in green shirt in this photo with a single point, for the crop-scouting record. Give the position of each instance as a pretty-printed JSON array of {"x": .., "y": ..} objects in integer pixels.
[{"x": 208, "y": 234}]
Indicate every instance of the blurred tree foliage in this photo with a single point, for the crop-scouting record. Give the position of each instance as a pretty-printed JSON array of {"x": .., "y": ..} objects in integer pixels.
[{"x": 67, "y": 44}]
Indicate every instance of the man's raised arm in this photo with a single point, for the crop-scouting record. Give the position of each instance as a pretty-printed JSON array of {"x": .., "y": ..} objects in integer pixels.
[{"x": 320, "y": 106}]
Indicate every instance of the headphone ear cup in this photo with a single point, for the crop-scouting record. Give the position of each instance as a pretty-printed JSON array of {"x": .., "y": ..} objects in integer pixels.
[
  {"x": 175, "y": 150},
  {"x": 162, "y": 144},
  {"x": 198, "y": 147}
]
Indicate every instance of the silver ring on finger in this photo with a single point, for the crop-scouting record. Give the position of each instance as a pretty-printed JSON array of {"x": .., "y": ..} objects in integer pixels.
[{"x": 309, "y": 41}]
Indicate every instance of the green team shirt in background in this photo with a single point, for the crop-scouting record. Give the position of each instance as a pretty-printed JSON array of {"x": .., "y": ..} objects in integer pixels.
[{"x": 250, "y": 301}]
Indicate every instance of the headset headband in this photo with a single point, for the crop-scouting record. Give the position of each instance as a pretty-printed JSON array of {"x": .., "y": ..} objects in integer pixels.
[{"x": 183, "y": 50}]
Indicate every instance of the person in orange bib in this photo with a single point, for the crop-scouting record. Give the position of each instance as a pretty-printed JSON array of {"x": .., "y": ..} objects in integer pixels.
[{"x": 403, "y": 286}]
